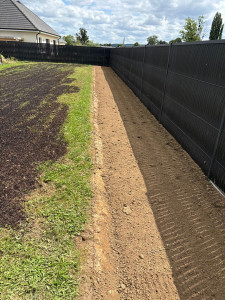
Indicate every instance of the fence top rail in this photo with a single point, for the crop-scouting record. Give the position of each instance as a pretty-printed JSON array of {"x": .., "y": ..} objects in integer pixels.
[
  {"x": 50, "y": 45},
  {"x": 178, "y": 44},
  {"x": 208, "y": 42},
  {"x": 200, "y": 42}
]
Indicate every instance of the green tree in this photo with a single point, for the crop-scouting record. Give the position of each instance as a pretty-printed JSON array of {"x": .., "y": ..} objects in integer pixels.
[
  {"x": 177, "y": 40},
  {"x": 152, "y": 40},
  {"x": 136, "y": 44},
  {"x": 82, "y": 36},
  {"x": 70, "y": 40},
  {"x": 162, "y": 42},
  {"x": 193, "y": 30},
  {"x": 92, "y": 44},
  {"x": 107, "y": 44},
  {"x": 217, "y": 27}
]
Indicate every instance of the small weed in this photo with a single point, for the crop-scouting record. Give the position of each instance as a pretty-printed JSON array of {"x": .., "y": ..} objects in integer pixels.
[{"x": 24, "y": 103}]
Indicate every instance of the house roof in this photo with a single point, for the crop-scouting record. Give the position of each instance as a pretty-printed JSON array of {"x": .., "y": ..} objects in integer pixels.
[{"x": 15, "y": 16}]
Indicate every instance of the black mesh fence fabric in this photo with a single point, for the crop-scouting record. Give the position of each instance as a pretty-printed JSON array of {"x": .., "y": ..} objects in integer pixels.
[
  {"x": 46, "y": 52},
  {"x": 183, "y": 85}
]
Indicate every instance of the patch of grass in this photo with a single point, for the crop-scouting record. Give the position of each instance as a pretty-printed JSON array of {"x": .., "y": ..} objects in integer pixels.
[
  {"x": 24, "y": 103},
  {"x": 12, "y": 63},
  {"x": 40, "y": 260}
]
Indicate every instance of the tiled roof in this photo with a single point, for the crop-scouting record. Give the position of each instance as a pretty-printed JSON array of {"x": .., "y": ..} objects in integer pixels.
[{"x": 14, "y": 15}]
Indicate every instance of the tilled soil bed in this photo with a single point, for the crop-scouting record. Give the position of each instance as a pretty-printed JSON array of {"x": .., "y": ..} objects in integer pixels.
[{"x": 31, "y": 119}]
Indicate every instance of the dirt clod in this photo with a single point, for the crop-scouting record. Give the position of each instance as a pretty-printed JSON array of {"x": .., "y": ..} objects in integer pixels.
[{"x": 127, "y": 210}]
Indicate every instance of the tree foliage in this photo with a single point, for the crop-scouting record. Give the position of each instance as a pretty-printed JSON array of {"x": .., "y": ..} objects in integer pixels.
[
  {"x": 92, "y": 44},
  {"x": 69, "y": 39},
  {"x": 152, "y": 40},
  {"x": 161, "y": 42},
  {"x": 88, "y": 44},
  {"x": 81, "y": 39},
  {"x": 216, "y": 27},
  {"x": 193, "y": 30},
  {"x": 136, "y": 44},
  {"x": 82, "y": 36},
  {"x": 177, "y": 40}
]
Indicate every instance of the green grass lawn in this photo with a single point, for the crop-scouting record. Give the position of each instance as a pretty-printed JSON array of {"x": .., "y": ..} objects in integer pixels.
[
  {"x": 40, "y": 259},
  {"x": 10, "y": 64}
]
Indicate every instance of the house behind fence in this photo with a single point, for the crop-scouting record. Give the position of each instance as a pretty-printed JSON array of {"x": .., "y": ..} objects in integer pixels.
[{"x": 18, "y": 23}]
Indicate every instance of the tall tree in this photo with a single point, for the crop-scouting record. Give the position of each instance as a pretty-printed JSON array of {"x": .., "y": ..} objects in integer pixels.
[
  {"x": 193, "y": 30},
  {"x": 152, "y": 40},
  {"x": 82, "y": 36},
  {"x": 217, "y": 27},
  {"x": 136, "y": 44}
]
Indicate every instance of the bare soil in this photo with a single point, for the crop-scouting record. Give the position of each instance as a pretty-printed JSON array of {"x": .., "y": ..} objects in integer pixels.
[
  {"x": 31, "y": 119},
  {"x": 157, "y": 229}
]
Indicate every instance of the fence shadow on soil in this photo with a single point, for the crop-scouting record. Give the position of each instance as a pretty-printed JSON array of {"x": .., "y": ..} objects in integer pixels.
[
  {"x": 189, "y": 213},
  {"x": 31, "y": 120}
]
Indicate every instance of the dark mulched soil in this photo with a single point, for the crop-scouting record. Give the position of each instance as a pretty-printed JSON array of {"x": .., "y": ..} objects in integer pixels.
[{"x": 31, "y": 119}]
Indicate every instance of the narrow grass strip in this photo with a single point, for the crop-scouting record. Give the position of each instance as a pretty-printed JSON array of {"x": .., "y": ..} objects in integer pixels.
[
  {"x": 13, "y": 63},
  {"x": 40, "y": 261}
]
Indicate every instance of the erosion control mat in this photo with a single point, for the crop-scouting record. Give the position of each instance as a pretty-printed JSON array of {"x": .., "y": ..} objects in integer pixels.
[{"x": 31, "y": 119}]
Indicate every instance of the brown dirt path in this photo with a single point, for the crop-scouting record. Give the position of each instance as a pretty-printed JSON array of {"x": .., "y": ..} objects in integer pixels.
[{"x": 158, "y": 226}]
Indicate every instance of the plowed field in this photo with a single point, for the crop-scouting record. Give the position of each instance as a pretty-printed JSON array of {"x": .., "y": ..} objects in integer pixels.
[{"x": 31, "y": 119}]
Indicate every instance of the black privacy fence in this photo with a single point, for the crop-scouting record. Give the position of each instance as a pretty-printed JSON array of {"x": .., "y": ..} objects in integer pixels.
[
  {"x": 46, "y": 52},
  {"x": 183, "y": 85}
]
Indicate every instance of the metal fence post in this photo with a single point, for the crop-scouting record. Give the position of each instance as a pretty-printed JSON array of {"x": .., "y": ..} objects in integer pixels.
[
  {"x": 108, "y": 57},
  {"x": 216, "y": 144},
  {"x": 104, "y": 58},
  {"x": 131, "y": 64},
  {"x": 142, "y": 73},
  {"x": 165, "y": 84}
]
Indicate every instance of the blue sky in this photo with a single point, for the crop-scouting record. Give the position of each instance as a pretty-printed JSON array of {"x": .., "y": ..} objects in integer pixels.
[{"x": 110, "y": 21}]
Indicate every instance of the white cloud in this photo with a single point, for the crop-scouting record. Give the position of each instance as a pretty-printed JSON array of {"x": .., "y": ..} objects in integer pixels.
[{"x": 111, "y": 21}]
